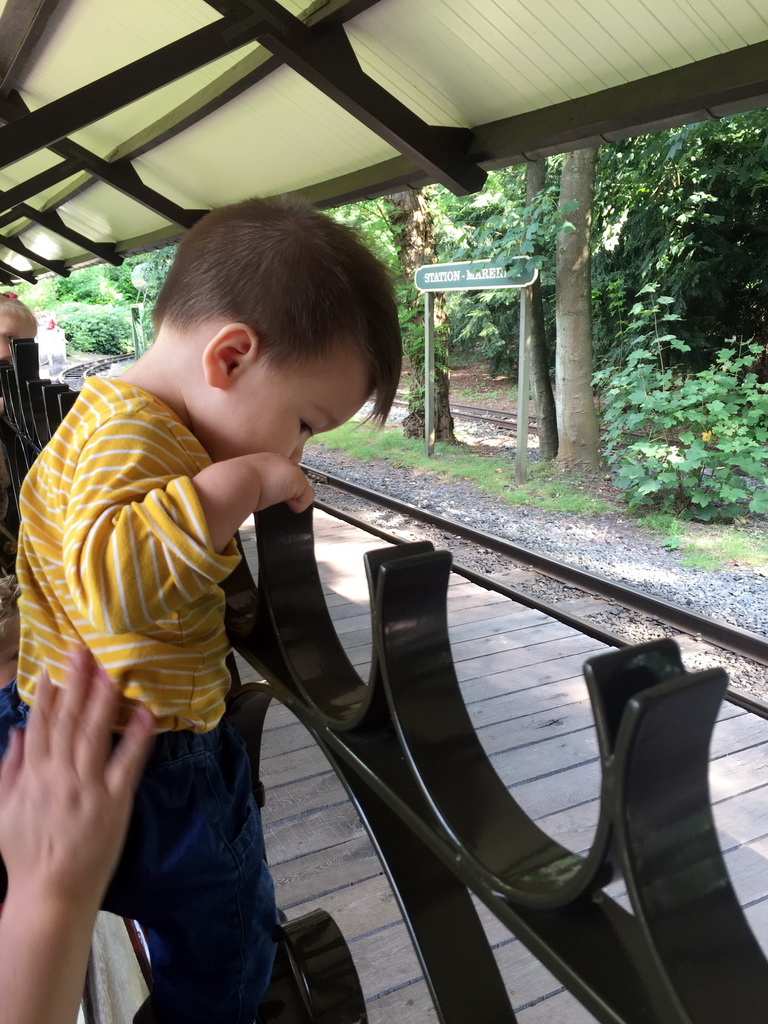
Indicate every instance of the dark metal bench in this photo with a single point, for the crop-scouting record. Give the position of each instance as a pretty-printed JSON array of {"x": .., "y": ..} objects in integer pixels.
[{"x": 444, "y": 825}]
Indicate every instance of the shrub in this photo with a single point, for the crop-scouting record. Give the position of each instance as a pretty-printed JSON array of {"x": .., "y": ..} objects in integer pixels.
[
  {"x": 96, "y": 329},
  {"x": 688, "y": 443}
]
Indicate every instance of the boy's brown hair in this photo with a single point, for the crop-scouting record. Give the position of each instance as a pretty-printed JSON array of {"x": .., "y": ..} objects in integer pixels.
[
  {"x": 22, "y": 314},
  {"x": 9, "y": 598},
  {"x": 303, "y": 282}
]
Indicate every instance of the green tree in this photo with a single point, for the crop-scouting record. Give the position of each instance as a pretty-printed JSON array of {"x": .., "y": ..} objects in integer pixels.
[
  {"x": 576, "y": 414},
  {"x": 535, "y": 184},
  {"x": 401, "y": 230},
  {"x": 413, "y": 230},
  {"x": 515, "y": 215},
  {"x": 686, "y": 210}
]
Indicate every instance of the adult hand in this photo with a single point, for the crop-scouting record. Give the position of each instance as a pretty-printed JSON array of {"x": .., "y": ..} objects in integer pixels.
[{"x": 66, "y": 793}]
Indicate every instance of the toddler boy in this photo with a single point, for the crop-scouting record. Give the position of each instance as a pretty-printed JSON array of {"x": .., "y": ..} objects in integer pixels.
[{"x": 275, "y": 323}]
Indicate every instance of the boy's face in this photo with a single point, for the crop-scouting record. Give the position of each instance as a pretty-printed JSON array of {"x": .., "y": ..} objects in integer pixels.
[
  {"x": 11, "y": 326},
  {"x": 278, "y": 408},
  {"x": 9, "y": 651}
]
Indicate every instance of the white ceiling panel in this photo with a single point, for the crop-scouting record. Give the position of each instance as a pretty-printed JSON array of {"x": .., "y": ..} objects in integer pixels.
[{"x": 260, "y": 101}]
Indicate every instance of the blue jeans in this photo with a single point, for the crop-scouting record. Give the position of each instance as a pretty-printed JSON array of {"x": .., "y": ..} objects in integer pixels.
[{"x": 193, "y": 875}]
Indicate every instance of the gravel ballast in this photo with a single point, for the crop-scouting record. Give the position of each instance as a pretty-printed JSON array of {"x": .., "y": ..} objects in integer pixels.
[{"x": 608, "y": 545}]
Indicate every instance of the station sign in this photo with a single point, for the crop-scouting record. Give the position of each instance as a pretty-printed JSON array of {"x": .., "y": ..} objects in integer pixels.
[{"x": 517, "y": 272}]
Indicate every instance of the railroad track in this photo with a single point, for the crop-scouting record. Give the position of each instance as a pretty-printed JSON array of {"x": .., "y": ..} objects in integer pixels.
[
  {"x": 580, "y": 599},
  {"x": 500, "y": 420},
  {"x": 75, "y": 375}
]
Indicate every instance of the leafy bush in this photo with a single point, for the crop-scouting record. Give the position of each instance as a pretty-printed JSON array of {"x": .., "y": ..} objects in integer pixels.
[
  {"x": 701, "y": 448},
  {"x": 96, "y": 329},
  {"x": 485, "y": 325}
]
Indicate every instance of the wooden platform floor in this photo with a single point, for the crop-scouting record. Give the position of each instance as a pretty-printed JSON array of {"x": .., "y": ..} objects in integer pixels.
[{"x": 521, "y": 678}]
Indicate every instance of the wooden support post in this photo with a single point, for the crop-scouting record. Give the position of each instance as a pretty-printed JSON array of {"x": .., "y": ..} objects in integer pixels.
[{"x": 429, "y": 373}]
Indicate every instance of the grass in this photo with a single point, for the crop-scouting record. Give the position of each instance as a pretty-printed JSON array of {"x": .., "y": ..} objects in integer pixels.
[
  {"x": 711, "y": 546},
  {"x": 474, "y": 395},
  {"x": 551, "y": 489},
  {"x": 547, "y": 488}
]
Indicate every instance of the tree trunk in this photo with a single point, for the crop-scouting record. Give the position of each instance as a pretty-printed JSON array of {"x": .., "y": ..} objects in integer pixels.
[
  {"x": 543, "y": 398},
  {"x": 414, "y": 233},
  {"x": 576, "y": 415}
]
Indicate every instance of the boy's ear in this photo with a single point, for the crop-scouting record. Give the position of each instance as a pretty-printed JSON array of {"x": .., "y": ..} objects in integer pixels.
[{"x": 232, "y": 348}]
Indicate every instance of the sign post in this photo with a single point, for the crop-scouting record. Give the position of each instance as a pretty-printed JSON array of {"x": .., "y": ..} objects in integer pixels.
[
  {"x": 523, "y": 386},
  {"x": 429, "y": 373},
  {"x": 474, "y": 276}
]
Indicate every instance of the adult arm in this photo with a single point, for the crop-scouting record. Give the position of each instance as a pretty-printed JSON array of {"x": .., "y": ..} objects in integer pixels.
[{"x": 65, "y": 803}]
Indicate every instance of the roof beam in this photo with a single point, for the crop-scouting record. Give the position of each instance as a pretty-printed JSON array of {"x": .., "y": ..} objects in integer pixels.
[
  {"x": 236, "y": 80},
  {"x": 251, "y": 70},
  {"x": 704, "y": 89},
  {"x": 15, "y": 244},
  {"x": 51, "y": 220},
  {"x": 119, "y": 174},
  {"x": 22, "y": 23},
  {"x": 328, "y": 61},
  {"x": 15, "y": 274},
  {"x": 62, "y": 117},
  {"x": 368, "y": 183},
  {"x": 123, "y": 176},
  {"x": 38, "y": 183}
]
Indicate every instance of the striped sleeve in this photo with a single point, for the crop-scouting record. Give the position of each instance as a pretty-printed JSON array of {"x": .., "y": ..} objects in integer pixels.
[{"x": 136, "y": 546}]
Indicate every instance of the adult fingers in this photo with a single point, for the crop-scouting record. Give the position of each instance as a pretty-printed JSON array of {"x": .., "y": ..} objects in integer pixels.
[
  {"x": 93, "y": 742},
  {"x": 127, "y": 761},
  {"x": 11, "y": 763},
  {"x": 41, "y": 723},
  {"x": 68, "y": 725}
]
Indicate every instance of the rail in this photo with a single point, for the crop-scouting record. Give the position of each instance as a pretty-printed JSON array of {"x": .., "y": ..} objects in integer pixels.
[
  {"x": 731, "y": 638},
  {"x": 443, "y": 823}
]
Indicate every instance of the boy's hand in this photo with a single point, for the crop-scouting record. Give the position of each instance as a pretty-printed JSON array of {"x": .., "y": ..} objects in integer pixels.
[
  {"x": 65, "y": 794},
  {"x": 232, "y": 490},
  {"x": 281, "y": 480}
]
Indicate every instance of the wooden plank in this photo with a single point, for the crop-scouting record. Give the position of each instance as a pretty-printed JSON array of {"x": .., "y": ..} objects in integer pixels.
[
  {"x": 337, "y": 867},
  {"x": 292, "y": 766},
  {"x": 538, "y": 632},
  {"x": 487, "y": 655},
  {"x": 536, "y": 658},
  {"x": 318, "y": 830},
  {"x": 466, "y": 619},
  {"x": 299, "y": 798},
  {"x": 552, "y": 665}
]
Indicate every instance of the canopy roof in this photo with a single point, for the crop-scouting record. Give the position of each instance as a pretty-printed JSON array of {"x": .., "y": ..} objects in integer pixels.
[{"x": 122, "y": 122}]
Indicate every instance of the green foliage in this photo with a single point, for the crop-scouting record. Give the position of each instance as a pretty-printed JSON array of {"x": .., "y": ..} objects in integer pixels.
[
  {"x": 708, "y": 547},
  {"x": 96, "y": 329},
  {"x": 485, "y": 327},
  {"x": 687, "y": 209},
  {"x": 147, "y": 273},
  {"x": 547, "y": 486},
  {"x": 41, "y": 295},
  {"x": 102, "y": 285},
  {"x": 686, "y": 443},
  {"x": 496, "y": 224}
]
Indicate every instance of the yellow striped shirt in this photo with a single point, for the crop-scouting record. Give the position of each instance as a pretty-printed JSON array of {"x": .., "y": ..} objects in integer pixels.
[{"x": 115, "y": 553}]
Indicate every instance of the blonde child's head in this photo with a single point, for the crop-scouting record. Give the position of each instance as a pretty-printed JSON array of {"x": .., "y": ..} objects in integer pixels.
[
  {"x": 16, "y": 321},
  {"x": 9, "y": 628}
]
